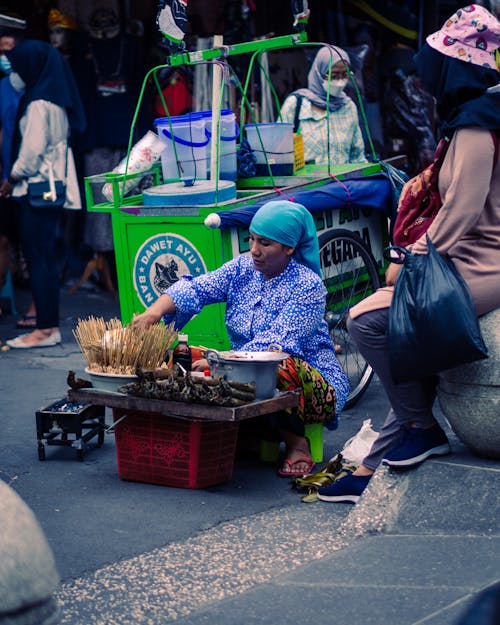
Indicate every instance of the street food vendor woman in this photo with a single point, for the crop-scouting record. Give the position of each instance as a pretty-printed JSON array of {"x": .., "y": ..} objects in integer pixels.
[{"x": 276, "y": 296}]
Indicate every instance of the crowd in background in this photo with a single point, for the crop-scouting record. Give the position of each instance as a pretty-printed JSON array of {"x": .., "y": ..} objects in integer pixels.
[{"x": 110, "y": 55}]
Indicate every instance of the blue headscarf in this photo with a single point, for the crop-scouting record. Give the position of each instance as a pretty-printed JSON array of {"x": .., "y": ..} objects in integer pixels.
[{"x": 290, "y": 224}]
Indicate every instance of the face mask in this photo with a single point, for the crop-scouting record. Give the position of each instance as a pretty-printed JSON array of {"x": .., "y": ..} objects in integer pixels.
[
  {"x": 335, "y": 87},
  {"x": 16, "y": 81},
  {"x": 5, "y": 65}
]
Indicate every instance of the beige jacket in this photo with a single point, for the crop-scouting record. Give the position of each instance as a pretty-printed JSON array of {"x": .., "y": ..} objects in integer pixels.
[
  {"x": 44, "y": 131},
  {"x": 467, "y": 226}
]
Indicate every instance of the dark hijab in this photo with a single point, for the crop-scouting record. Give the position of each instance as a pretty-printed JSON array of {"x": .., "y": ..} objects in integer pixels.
[
  {"x": 48, "y": 77},
  {"x": 463, "y": 91}
]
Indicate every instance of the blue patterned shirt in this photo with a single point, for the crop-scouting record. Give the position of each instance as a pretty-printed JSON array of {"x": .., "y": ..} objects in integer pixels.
[
  {"x": 287, "y": 310},
  {"x": 346, "y": 140}
]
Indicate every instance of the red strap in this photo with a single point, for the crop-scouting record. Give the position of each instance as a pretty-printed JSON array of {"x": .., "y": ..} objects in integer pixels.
[{"x": 345, "y": 187}]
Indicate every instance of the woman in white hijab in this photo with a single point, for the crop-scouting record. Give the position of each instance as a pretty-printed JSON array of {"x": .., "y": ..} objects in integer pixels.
[{"x": 324, "y": 114}]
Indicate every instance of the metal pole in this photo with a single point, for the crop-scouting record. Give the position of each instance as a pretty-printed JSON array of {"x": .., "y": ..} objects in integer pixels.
[{"x": 216, "y": 99}]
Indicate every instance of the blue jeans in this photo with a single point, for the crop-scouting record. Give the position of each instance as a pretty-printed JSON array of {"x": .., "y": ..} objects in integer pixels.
[{"x": 38, "y": 238}]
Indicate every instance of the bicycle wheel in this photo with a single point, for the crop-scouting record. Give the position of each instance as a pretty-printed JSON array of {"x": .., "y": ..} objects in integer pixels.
[{"x": 350, "y": 274}]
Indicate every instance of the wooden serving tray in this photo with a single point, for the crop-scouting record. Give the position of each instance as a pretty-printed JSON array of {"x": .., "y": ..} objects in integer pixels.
[{"x": 184, "y": 410}]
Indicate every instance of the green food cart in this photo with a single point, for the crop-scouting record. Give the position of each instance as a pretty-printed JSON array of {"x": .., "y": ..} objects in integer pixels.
[{"x": 156, "y": 245}]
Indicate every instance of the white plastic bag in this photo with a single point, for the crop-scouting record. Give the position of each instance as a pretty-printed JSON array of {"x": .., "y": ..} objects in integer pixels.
[
  {"x": 143, "y": 155},
  {"x": 358, "y": 446}
]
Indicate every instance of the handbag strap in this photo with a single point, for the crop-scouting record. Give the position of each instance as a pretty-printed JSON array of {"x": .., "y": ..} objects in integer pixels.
[
  {"x": 494, "y": 136},
  {"x": 52, "y": 182},
  {"x": 298, "y": 106},
  {"x": 66, "y": 159},
  {"x": 395, "y": 254},
  {"x": 439, "y": 155}
]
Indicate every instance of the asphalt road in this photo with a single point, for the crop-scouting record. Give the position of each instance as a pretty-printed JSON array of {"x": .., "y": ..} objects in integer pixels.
[
  {"x": 90, "y": 516},
  {"x": 417, "y": 548}
]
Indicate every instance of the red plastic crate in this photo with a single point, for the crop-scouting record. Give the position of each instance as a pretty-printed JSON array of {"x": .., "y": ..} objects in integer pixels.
[{"x": 158, "y": 449}]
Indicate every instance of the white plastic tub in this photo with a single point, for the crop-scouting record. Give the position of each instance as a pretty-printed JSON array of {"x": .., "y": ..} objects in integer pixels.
[
  {"x": 227, "y": 147},
  {"x": 272, "y": 144}
]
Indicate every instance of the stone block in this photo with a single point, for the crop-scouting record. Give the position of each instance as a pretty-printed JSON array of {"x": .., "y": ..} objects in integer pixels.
[
  {"x": 469, "y": 395},
  {"x": 28, "y": 574}
]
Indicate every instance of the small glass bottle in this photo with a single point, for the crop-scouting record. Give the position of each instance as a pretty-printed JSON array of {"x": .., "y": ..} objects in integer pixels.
[{"x": 182, "y": 353}]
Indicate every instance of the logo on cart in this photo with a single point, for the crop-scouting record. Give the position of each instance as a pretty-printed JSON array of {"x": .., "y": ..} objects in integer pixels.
[{"x": 161, "y": 261}]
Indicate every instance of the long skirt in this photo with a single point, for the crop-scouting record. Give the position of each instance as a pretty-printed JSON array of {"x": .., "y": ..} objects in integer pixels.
[{"x": 317, "y": 397}]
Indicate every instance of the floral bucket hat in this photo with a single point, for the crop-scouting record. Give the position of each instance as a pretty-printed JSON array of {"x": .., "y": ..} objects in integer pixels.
[{"x": 472, "y": 34}]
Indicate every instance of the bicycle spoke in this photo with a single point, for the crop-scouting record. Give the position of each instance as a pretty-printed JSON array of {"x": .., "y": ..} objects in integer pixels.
[{"x": 350, "y": 275}]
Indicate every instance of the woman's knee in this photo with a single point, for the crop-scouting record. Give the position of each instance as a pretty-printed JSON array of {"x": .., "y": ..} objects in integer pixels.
[
  {"x": 357, "y": 327},
  {"x": 369, "y": 328},
  {"x": 350, "y": 324}
]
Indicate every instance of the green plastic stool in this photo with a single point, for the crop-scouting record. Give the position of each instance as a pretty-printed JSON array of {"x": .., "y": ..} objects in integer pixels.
[
  {"x": 269, "y": 450},
  {"x": 7, "y": 293}
]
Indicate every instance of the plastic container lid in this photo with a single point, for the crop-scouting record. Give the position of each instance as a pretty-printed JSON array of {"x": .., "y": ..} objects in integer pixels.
[
  {"x": 188, "y": 117},
  {"x": 183, "y": 338},
  {"x": 209, "y": 113},
  {"x": 199, "y": 193}
]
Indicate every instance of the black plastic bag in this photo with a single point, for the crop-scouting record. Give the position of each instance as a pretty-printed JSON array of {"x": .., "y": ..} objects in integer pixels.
[
  {"x": 398, "y": 178},
  {"x": 432, "y": 319}
]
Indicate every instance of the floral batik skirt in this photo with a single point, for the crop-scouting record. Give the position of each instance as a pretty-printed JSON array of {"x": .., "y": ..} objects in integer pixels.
[{"x": 317, "y": 398}]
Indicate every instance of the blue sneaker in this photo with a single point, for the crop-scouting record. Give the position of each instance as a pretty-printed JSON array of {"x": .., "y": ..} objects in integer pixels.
[
  {"x": 416, "y": 445},
  {"x": 348, "y": 489}
]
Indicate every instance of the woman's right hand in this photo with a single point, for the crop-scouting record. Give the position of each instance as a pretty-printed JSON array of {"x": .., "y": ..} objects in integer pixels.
[
  {"x": 145, "y": 319},
  {"x": 164, "y": 305}
]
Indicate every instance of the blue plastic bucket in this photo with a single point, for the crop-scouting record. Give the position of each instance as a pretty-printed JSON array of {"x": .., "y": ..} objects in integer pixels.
[
  {"x": 184, "y": 156},
  {"x": 229, "y": 133}
]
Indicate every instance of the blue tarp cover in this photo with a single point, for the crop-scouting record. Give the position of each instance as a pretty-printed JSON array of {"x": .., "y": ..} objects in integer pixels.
[{"x": 373, "y": 192}]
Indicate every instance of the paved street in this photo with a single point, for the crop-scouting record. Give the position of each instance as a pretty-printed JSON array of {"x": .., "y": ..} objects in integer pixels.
[{"x": 414, "y": 550}]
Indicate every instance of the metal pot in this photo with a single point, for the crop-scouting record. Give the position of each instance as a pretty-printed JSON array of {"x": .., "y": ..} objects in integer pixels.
[{"x": 260, "y": 368}]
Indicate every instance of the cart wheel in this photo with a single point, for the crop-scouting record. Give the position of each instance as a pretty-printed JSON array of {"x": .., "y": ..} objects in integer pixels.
[
  {"x": 41, "y": 451},
  {"x": 79, "y": 455},
  {"x": 350, "y": 274}
]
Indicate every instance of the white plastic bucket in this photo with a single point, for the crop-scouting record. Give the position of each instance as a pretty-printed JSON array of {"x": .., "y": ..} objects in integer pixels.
[
  {"x": 184, "y": 157},
  {"x": 227, "y": 148},
  {"x": 272, "y": 144}
]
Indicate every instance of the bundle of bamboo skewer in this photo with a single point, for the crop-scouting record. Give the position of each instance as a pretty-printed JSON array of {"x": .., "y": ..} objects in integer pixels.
[{"x": 110, "y": 347}]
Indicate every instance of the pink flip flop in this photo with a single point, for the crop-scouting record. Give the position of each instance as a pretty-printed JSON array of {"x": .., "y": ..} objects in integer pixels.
[{"x": 289, "y": 463}]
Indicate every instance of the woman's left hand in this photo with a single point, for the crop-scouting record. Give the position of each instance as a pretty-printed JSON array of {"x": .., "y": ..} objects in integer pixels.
[
  {"x": 392, "y": 273},
  {"x": 200, "y": 365}
]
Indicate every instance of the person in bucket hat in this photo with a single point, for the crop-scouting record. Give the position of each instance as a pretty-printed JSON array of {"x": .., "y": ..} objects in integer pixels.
[
  {"x": 472, "y": 34},
  {"x": 457, "y": 66}
]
